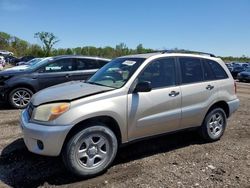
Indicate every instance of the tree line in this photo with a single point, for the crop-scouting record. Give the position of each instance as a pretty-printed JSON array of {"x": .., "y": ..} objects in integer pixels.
[{"x": 21, "y": 47}]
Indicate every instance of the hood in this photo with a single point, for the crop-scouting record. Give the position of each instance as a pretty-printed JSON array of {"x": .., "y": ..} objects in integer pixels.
[
  {"x": 67, "y": 92},
  {"x": 20, "y": 67},
  {"x": 13, "y": 72}
]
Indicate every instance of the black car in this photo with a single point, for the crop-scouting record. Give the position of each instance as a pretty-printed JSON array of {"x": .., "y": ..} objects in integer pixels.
[
  {"x": 244, "y": 75},
  {"x": 24, "y": 59},
  {"x": 235, "y": 70},
  {"x": 17, "y": 86}
]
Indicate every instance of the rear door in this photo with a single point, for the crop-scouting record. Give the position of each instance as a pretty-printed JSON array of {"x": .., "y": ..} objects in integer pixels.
[
  {"x": 55, "y": 72},
  {"x": 198, "y": 88},
  {"x": 157, "y": 111},
  {"x": 84, "y": 68}
]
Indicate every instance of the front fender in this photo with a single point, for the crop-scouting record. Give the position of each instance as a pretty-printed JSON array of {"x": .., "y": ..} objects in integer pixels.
[{"x": 115, "y": 108}]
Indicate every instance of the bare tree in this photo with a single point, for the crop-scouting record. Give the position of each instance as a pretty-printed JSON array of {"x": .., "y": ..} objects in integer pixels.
[{"x": 48, "y": 40}]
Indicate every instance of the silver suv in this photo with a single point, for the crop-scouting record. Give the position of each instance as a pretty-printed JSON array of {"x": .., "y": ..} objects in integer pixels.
[{"x": 130, "y": 98}]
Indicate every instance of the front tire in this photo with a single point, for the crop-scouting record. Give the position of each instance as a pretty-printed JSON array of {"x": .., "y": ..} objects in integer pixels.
[
  {"x": 90, "y": 151},
  {"x": 19, "y": 98},
  {"x": 214, "y": 125}
]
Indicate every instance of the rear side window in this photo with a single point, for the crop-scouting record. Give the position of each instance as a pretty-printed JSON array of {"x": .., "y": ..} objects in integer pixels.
[
  {"x": 208, "y": 72},
  {"x": 191, "y": 70},
  {"x": 218, "y": 71},
  {"x": 86, "y": 64}
]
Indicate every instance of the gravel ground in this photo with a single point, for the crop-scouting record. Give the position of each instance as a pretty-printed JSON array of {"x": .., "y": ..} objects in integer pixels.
[{"x": 176, "y": 160}]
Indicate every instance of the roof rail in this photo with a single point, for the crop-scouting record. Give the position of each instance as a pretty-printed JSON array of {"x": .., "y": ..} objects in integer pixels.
[{"x": 187, "y": 52}]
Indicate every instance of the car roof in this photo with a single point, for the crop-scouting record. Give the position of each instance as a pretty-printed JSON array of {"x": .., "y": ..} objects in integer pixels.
[
  {"x": 80, "y": 56},
  {"x": 166, "y": 54}
]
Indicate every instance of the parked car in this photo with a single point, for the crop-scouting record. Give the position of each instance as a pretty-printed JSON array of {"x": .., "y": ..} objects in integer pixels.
[
  {"x": 26, "y": 65},
  {"x": 130, "y": 98},
  {"x": 2, "y": 61},
  {"x": 11, "y": 59},
  {"x": 245, "y": 65},
  {"x": 30, "y": 62},
  {"x": 5, "y": 53},
  {"x": 17, "y": 86},
  {"x": 235, "y": 70},
  {"x": 24, "y": 59},
  {"x": 244, "y": 75}
]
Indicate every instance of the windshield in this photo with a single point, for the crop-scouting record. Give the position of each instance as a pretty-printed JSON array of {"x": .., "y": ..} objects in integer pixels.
[
  {"x": 39, "y": 63},
  {"x": 34, "y": 61},
  {"x": 116, "y": 73}
]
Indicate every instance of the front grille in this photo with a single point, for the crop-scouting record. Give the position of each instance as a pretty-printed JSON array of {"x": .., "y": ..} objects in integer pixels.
[{"x": 30, "y": 109}]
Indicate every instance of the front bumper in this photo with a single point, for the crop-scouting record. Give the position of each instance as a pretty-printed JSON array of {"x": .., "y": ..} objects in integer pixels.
[
  {"x": 3, "y": 93},
  {"x": 52, "y": 137},
  {"x": 233, "y": 106}
]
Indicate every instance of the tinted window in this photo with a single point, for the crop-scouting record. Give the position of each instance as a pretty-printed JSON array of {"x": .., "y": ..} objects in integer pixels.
[
  {"x": 102, "y": 63},
  {"x": 218, "y": 71},
  {"x": 191, "y": 70},
  {"x": 161, "y": 73},
  {"x": 61, "y": 65},
  {"x": 208, "y": 72},
  {"x": 86, "y": 64}
]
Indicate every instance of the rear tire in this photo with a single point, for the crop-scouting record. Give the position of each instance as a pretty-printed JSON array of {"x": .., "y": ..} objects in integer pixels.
[
  {"x": 20, "y": 97},
  {"x": 91, "y": 151},
  {"x": 214, "y": 125}
]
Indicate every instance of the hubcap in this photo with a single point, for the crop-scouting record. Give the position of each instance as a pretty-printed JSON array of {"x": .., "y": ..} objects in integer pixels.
[
  {"x": 21, "y": 98},
  {"x": 215, "y": 125},
  {"x": 92, "y": 151}
]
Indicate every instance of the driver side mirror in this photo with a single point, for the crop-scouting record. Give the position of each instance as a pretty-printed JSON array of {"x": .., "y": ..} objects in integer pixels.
[{"x": 144, "y": 86}]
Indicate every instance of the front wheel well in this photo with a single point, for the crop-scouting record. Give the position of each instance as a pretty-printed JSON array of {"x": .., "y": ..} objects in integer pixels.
[
  {"x": 220, "y": 104},
  {"x": 107, "y": 120},
  {"x": 22, "y": 86}
]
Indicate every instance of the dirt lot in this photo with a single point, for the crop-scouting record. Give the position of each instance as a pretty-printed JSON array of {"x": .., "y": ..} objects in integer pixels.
[{"x": 177, "y": 160}]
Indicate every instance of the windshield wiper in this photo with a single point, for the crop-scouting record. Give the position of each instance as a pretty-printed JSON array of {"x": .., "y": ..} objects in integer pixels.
[{"x": 94, "y": 83}]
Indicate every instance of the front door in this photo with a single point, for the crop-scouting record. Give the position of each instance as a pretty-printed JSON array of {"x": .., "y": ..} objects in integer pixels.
[{"x": 56, "y": 72}]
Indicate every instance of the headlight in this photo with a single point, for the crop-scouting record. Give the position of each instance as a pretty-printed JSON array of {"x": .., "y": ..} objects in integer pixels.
[{"x": 49, "y": 112}]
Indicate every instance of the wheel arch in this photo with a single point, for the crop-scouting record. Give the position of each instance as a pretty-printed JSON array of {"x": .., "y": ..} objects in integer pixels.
[
  {"x": 109, "y": 122},
  {"x": 22, "y": 85},
  {"x": 220, "y": 104}
]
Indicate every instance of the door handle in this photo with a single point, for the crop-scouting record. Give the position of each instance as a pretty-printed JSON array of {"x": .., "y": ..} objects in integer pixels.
[
  {"x": 173, "y": 93},
  {"x": 67, "y": 75},
  {"x": 209, "y": 87}
]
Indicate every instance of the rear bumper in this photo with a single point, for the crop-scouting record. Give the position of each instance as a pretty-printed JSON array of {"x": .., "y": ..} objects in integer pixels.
[{"x": 233, "y": 106}]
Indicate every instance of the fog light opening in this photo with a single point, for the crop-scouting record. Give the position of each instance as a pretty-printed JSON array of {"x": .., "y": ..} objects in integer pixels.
[{"x": 40, "y": 144}]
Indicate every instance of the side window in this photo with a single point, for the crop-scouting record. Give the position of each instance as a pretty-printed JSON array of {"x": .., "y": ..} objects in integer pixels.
[
  {"x": 101, "y": 63},
  {"x": 191, "y": 70},
  {"x": 61, "y": 65},
  {"x": 208, "y": 72},
  {"x": 86, "y": 64},
  {"x": 161, "y": 73},
  {"x": 218, "y": 71}
]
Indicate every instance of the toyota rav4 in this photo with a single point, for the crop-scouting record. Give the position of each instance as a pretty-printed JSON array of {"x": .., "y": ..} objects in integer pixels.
[{"x": 130, "y": 98}]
